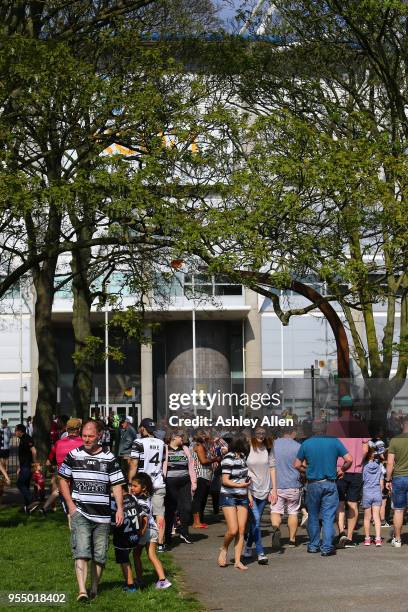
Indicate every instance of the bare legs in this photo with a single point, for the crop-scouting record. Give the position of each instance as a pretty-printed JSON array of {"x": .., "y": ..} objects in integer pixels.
[
  {"x": 155, "y": 561},
  {"x": 51, "y": 499},
  {"x": 276, "y": 520},
  {"x": 383, "y": 508},
  {"x": 153, "y": 558},
  {"x": 81, "y": 571},
  {"x": 160, "y": 526},
  {"x": 398, "y": 522},
  {"x": 96, "y": 573},
  {"x": 341, "y": 516},
  {"x": 127, "y": 573},
  {"x": 292, "y": 526},
  {"x": 375, "y": 511},
  {"x": 236, "y": 518},
  {"x": 351, "y": 518}
]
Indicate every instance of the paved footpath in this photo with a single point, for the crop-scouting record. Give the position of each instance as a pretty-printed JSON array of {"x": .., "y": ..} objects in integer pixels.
[{"x": 363, "y": 579}]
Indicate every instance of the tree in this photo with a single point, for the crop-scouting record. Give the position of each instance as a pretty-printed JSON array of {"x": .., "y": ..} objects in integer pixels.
[
  {"x": 71, "y": 89},
  {"x": 156, "y": 92},
  {"x": 321, "y": 187},
  {"x": 55, "y": 128}
]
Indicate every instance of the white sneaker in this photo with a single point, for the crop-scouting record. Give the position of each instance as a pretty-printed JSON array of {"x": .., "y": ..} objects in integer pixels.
[
  {"x": 262, "y": 559},
  {"x": 396, "y": 543},
  {"x": 247, "y": 554}
]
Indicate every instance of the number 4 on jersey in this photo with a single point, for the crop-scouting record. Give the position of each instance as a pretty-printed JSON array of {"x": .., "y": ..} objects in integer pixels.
[{"x": 155, "y": 459}]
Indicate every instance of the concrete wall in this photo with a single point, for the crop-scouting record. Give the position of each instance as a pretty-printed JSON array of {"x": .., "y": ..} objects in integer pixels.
[{"x": 10, "y": 366}]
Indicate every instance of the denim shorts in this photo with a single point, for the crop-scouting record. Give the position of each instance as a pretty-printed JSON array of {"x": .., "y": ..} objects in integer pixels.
[
  {"x": 400, "y": 492},
  {"x": 229, "y": 501},
  {"x": 89, "y": 540}
]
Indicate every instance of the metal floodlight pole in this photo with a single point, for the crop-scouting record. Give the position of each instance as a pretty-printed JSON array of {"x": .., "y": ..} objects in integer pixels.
[
  {"x": 58, "y": 407},
  {"x": 21, "y": 353},
  {"x": 281, "y": 345},
  {"x": 106, "y": 359},
  {"x": 312, "y": 374},
  {"x": 194, "y": 340},
  {"x": 96, "y": 402},
  {"x": 134, "y": 409}
]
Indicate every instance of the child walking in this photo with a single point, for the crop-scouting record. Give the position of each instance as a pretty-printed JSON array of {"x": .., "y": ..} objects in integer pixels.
[
  {"x": 127, "y": 535},
  {"x": 142, "y": 489},
  {"x": 373, "y": 483},
  {"x": 39, "y": 482}
]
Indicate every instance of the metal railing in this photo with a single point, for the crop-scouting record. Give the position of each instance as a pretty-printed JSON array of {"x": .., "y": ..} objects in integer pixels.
[{"x": 12, "y": 465}]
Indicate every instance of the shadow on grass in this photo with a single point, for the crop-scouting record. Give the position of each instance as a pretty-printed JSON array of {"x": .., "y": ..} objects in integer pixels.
[{"x": 13, "y": 517}]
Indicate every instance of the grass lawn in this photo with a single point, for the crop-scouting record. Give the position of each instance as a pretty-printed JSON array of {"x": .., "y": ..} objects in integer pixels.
[{"x": 35, "y": 557}]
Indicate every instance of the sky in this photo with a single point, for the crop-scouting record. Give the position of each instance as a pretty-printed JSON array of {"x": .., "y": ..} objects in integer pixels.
[{"x": 228, "y": 8}]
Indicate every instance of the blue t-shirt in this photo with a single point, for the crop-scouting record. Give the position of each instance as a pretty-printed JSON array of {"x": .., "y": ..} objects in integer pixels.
[
  {"x": 285, "y": 451},
  {"x": 321, "y": 454}
]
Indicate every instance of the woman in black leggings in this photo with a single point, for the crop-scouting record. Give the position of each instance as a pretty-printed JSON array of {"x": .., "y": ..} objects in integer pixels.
[
  {"x": 203, "y": 461},
  {"x": 181, "y": 482}
]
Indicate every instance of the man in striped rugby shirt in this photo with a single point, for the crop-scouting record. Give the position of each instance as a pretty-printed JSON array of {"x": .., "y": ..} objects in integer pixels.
[{"x": 87, "y": 475}]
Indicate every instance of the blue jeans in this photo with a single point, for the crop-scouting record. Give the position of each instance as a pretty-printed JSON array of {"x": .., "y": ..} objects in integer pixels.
[
  {"x": 23, "y": 484},
  {"x": 322, "y": 500},
  {"x": 400, "y": 492},
  {"x": 254, "y": 534}
]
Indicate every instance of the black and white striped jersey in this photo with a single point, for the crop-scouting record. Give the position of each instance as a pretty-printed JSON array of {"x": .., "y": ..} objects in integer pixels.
[
  {"x": 150, "y": 454},
  {"x": 235, "y": 466},
  {"x": 92, "y": 477},
  {"x": 5, "y": 437}
]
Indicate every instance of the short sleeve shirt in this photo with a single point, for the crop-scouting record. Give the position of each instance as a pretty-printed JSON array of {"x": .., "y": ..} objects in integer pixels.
[
  {"x": 177, "y": 463},
  {"x": 149, "y": 453},
  {"x": 321, "y": 454},
  {"x": 24, "y": 450},
  {"x": 236, "y": 468},
  {"x": 127, "y": 535},
  {"x": 259, "y": 462},
  {"x": 286, "y": 450},
  {"x": 92, "y": 476},
  {"x": 355, "y": 448},
  {"x": 399, "y": 447}
]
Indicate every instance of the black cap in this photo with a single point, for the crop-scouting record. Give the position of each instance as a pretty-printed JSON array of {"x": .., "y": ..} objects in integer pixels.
[{"x": 148, "y": 424}]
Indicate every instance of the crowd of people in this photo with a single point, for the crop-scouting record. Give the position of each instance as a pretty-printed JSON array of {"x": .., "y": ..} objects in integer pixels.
[{"x": 149, "y": 486}]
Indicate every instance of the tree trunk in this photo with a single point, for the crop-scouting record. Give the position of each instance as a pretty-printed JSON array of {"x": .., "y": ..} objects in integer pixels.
[
  {"x": 339, "y": 332},
  {"x": 47, "y": 361},
  {"x": 380, "y": 403},
  {"x": 81, "y": 323},
  {"x": 382, "y": 392}
]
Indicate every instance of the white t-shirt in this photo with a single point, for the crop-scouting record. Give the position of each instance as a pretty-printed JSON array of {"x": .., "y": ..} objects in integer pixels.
[{"x": 259, "y": 463}]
